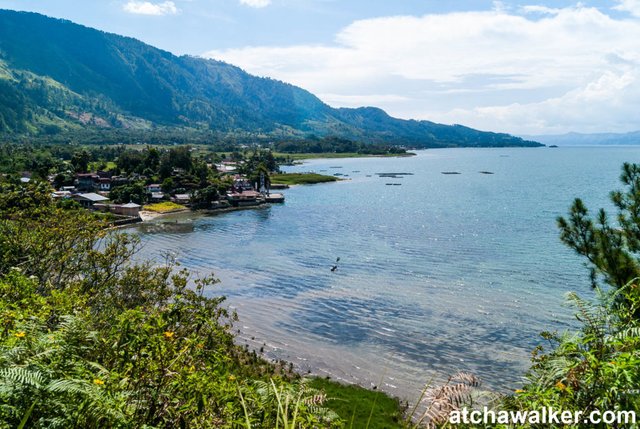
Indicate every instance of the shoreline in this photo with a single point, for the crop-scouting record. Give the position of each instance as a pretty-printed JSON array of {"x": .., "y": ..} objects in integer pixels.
[
  {"x": 148, "y": 216},
  {"x": 299, "y": 157}
]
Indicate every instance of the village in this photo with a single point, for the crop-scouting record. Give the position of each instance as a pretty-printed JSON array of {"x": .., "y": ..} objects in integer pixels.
[{"x": 144, "y": 184}]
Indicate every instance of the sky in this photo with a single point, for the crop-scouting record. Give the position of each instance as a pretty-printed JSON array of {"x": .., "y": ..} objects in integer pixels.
[{"x": 523, "y": 67}]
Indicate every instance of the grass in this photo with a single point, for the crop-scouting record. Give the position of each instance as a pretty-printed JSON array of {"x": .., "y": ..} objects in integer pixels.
[
  {"x": 361, "y": 408},
  {"x": 93, "y": 166},
  {"x": 164, "y": 207},
  {"x": 301, "y": 178}
]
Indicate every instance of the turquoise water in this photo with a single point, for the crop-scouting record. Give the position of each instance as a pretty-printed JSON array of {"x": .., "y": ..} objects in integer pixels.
[{"x": 441, "y": 274}]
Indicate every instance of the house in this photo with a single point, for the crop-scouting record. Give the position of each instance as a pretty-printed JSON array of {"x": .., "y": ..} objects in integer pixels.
[
  {"x": 241, "y": 183},
  {"x": 129, "y": 209},
  {"x": 104, "y": 184},
  {"x": 25, "y": 177},
  {"x": 181, "y": 198},
  {"x": 61, "y": 194},
  {"x": 226, "y": 168},
  {"x": 87, "y": 182},
  {"x": 246, "y": 198},
  {"x": 118, "y": 181},
  {"x": 89, "y": 199},
  {"x": 154, "y": 188},
  {"x": 156, "y": 196}
]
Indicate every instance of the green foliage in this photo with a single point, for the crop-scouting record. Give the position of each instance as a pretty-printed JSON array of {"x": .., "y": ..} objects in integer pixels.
[
  {"x": 611, "y": 251},
  {"x": 302, "y": 178},
  {"x": 359, "y": 407},
  {"x": 257, "y": 160},
  {"x": 132, "y": 193},
  {"x": 203, "y": 198},
  {"x": 286, "y": 406},
  {"x": 89, "y": 338},
  {"x": 80, "y": 161},
  {"x": 337, "y": 145},
  {"x": 597, "y": 367},
  {"x": 103, "y": 81}
]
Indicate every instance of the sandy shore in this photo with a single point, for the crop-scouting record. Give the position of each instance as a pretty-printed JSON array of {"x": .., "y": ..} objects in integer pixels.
[{"x": 147, "y": 215}]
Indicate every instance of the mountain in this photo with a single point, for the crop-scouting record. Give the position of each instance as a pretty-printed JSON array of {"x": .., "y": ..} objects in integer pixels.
[
  {"x": 599, "y": 139},
  {"x": 58, "y": 76}
]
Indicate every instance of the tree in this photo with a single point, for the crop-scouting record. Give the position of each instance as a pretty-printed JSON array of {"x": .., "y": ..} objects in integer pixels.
[
  {"x": 203, "y": 197},
  {"x": 168, "y": 185},
  {"x": 597, "y": 367},
  {"x": 80, "y": 161},
  {"x": 134, "y": 193},
  {"x": 611, "y": 250},
  {"x": 93, "y": 338},
  {"x": 130, "y": 161},
  {"x": 152, "y": 158}
]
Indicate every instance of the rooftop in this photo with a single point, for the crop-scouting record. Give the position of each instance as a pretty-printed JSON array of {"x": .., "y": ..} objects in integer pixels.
[{"x": 91, "y": 196}]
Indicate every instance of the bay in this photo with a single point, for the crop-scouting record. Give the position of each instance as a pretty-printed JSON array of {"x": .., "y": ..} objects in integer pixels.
[{"x": 438, "y": 273}]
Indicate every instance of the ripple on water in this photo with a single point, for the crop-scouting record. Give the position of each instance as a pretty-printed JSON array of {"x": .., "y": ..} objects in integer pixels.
[{"x": 441, "y": 274}]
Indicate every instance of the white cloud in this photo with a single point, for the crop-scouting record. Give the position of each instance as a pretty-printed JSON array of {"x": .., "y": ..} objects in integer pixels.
[
  {"x": 361, "y": 100},
  {"x": 631, "y": 6},
  {"x": 527, "y": 71},
  {"x": 148, "y": 8},
  {"x": 256, "y": 3},
  {"x": 604, "y": 104},
  {"x": 541, "y": 9}
]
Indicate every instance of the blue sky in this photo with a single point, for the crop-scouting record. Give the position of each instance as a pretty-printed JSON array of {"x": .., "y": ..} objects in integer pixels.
[{"x": 525, "y": 67}]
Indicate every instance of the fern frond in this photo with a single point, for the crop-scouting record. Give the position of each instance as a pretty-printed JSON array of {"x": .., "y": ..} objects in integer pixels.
[{"x": 25, "y": 376}]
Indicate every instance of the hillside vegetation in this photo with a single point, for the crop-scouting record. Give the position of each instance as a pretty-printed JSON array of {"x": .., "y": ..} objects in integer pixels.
[{"x": 56, "y": 76}]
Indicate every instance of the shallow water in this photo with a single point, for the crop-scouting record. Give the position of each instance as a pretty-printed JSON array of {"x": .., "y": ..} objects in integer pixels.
[{"x": 442, "y": 273}]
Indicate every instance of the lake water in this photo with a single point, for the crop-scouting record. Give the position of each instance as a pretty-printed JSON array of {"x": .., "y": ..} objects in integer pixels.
[{"x": 441, "y": 274}]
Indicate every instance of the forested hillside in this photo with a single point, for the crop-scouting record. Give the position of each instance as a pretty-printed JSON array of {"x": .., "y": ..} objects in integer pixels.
[{"x": 57, "y": 76}]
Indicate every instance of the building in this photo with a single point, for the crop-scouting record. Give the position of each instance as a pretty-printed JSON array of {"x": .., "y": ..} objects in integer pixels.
[
  {"x": 129, "y": 209},
  {"x": 156, "y": 197},
  {"x": 61, "y": 194},
  {"x": 244, "y": 199},
  {"x": 89, "y": 199},
  {"x": 87, "y": 182},
  {"x": 118, "y": 181},
  {"x": 241, "y": 183},
  {"x": 154, "y": 188},
  {"x": 181, "y": 198},
  {"x": 104, "y": 184}
]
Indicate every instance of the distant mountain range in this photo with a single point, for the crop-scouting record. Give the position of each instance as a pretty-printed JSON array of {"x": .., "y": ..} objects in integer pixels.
[
  {"x": 57, "y": 76},
  {"x": 577, "y": 139}
]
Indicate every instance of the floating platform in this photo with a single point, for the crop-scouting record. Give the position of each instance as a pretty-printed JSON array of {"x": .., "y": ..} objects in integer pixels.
[{"x": 274, "y": 198}]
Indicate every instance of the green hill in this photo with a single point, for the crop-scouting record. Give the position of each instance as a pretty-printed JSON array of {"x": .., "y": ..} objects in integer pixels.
[{"x": 56, "y": 75}]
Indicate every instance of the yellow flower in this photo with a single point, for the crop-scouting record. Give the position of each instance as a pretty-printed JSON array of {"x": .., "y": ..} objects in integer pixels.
[
  {"x": 561, "y": 386},
  {"x": 232, "y": 378},
  {"x": 98, "y": 381},
  {"x": 168, "y": 334},
  {"x": 192, "y": 368},
  {"x": 20, "y": 334},
  {"x": 519, "y": 391}
]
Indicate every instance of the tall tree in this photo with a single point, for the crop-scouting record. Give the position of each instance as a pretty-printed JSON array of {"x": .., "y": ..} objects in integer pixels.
[{"x": 612, "y": 250}]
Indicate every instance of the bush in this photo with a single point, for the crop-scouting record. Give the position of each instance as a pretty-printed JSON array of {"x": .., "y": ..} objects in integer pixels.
[{"x": 91, "y": 339}]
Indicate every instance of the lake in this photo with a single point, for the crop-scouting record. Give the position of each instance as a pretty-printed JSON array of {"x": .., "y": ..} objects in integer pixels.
[{"x": 445, "y": 272}]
